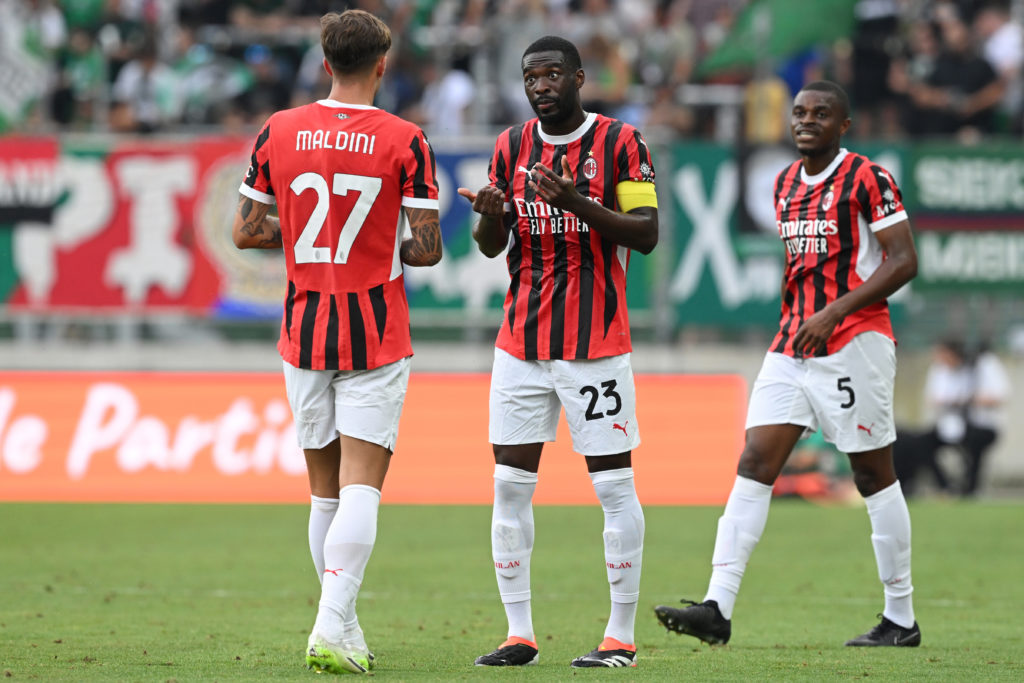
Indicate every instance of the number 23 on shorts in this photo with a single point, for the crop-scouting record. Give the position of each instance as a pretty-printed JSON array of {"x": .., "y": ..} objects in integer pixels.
[{"x": 611, "y": 403}]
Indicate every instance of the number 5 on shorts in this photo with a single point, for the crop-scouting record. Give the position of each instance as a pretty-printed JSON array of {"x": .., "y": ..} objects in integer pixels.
[{"x": 843, "y": 384}]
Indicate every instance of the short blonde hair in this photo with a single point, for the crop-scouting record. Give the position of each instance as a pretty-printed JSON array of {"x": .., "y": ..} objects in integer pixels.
[{"x": 353, "y": 40}]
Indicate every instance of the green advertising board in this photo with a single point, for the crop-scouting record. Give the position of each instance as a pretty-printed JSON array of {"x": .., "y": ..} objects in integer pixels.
[
  {"x": 967, "y": 209},
  {"x": 719, "y": 276}
]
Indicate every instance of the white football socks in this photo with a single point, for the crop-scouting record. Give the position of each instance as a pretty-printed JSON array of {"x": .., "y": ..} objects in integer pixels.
[
  {"x": 321, "y": 514},
  {"x": 623, "y": 548},
  {"x": 347, "y": 550},
  {"x": 739, "y": 529},
  {"x": 890, "y": 535},
  {"x": 512, "y": 545}
]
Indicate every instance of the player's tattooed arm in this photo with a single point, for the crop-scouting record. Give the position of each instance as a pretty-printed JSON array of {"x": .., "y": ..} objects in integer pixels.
[
  {"x": 254, "y": 228},
  {"x": 424, "y": 247}
]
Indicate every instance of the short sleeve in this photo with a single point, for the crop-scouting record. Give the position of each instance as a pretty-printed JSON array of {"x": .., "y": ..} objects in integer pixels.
[
  {"x": 499, "y": 174},
  {"x": 256, "y": 184},
  {"x": 419, "y": 171},
  {"x": 881, "y": 203},
  {"x": 633, "y": 159}
]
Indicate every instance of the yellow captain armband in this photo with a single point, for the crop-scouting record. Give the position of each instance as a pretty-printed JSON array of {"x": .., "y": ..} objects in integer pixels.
[{"x": 633, "y": 194}]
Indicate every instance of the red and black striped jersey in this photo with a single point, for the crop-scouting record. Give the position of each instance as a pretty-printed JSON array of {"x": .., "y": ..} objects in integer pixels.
[
  {"x": 340, "y": 175},
  {"x": 567, "y": 296},
  {"x": 828, "y": 224}
]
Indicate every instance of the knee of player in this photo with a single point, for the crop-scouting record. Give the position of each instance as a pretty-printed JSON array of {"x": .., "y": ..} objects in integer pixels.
[
  {"x": 869, "y": 481},
  {"x": 757, "y": 465}
]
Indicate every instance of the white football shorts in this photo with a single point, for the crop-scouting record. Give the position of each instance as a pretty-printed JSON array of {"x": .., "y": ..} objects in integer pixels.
[
  {"x": 598, "y": 395},
  {"x": 848, "y": 394},
  {"x": 362, "y": 404}
]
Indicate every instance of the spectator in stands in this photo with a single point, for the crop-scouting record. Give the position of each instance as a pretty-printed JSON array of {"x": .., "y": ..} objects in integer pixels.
[
  {"x": 877, "y": 28},
  {"x": 270, "y": 90},
  {"x": 45, "y": 21},
  {"x": 963, "y": 398},
  {"x": 444, "y": 110},
  {"x": 607, "y": 88},
  {"x": 81, "y": 88},
  {"x": 984, "y": 413},
  {"x": 144, "y": 98},
  {"x": 1002, "y": 44},
  {"x": 960, "y": 95},
  {"x": 914, "y": 68},
  {"x": 668, "y": 52},
  {"x": 519, "y": 22}
]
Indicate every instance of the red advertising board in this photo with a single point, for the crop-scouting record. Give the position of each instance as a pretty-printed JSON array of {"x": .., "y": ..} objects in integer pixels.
[{"x": 227, "y": 437}]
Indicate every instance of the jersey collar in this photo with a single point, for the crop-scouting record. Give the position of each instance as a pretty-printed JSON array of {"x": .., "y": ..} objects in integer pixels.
[
  {"x": 818, "y": 177},
  {"x": 336, "y": 104},
  {"x": 569, "y": 137}
]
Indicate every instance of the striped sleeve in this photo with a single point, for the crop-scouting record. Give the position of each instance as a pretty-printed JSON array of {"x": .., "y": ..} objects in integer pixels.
[
  {"x": 419, "y": 173},
  {"x": 880, "y": 199},
  {"x": 633, "y": 157},
  {"x": 256, "y": 184},
  {"x": 498, "y": 170}
]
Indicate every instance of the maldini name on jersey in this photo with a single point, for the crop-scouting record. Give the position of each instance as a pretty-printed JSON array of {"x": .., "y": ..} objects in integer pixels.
[
  {"x": 567, "y": 293},
  {"x": 828, "y": 224}
]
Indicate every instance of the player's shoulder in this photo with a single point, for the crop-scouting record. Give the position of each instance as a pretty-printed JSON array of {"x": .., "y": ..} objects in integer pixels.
[
  {"x": 519, "y": 129},
  {"x": 626, "y": 129},
  {"x": 791, "y": 170},
  {"x": 866, "y": 169},
  {"x": 516, "y": 135}
]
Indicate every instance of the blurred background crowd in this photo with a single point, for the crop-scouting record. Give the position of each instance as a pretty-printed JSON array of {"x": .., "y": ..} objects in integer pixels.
[{"x": 914, "y": 68}]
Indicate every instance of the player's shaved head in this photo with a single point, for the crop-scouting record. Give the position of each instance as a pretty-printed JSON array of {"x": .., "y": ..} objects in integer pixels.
[
  {"x": 570, "y": 55},
  {"x": 353, "y": 40},
  {"x": 839, "y": 95}
]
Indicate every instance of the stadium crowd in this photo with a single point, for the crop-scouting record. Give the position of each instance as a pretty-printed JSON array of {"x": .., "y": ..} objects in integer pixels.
[{"x": 913, "y": 67}]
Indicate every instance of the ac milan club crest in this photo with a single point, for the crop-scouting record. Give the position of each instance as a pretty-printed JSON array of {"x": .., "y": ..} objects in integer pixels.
[
  {"x": 590, "y": 168},
  {"x": 826, "y": 202}
]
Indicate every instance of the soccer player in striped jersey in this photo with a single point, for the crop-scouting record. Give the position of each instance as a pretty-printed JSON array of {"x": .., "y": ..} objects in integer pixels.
[
  {"x": 570, "y": 195},
  {"x": 346, "y": 178},
  {"x": 832, "y": 364}
]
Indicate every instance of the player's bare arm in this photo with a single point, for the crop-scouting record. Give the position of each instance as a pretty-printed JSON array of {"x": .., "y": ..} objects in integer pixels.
[
  {"x": 491, "y": 231},
  {"x": 636, "y": 230},
  {"x": 254, "y": 228},
  {"x": 898, "y": 268},
  {"x": 424, "y": 247}
]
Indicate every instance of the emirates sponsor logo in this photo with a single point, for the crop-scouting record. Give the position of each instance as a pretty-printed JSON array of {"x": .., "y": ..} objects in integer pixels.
[
  {"x": 807, "y": 228},
  {"x": 547, "y": 219}
]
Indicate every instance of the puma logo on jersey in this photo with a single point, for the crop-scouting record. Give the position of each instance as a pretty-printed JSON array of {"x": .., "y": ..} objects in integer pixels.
[
  {"x": 622, "y": 427},
  {"x": 866, "y": 429},
  {"x": 333, "y": 571}
]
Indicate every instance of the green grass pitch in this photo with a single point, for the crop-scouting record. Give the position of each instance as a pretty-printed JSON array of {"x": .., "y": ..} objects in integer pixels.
[{"x": 213, "y": 593}]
